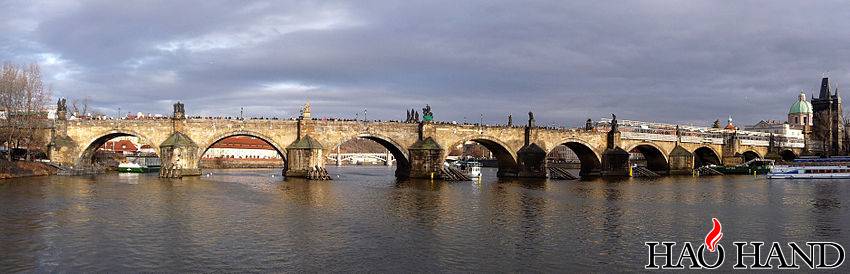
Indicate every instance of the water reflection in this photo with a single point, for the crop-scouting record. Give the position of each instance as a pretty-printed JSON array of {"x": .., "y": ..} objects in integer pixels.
[{"x": 366, "y": 220}]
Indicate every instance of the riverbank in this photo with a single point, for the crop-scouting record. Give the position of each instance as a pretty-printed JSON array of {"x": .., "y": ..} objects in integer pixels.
[
  {"x": 224, "y": 163},
  {"x": 18, "y": 169}
]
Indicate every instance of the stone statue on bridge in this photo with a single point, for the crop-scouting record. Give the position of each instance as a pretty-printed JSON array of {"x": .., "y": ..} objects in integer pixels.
[
  {"x": 531, "y": 122},
  {"x": 61, "y": 109},
  {"x": 427, "y": 115},
  {"x": 61, "y": 105},
  {"x": 614, "y": 126},
  {"x": 412, "y": 116},
  {"x": 179, "y": 111},
  {"x": 510, "y": 120}
]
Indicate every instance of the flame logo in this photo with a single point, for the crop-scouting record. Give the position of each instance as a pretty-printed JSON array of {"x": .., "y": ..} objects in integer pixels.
[{"x": 714, "y": 235}]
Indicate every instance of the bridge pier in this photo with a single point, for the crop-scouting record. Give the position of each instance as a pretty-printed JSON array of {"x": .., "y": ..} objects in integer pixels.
[
  {"x": 338, "y": 157},
  {"x": 178, "y": 155},
  {"x": 773, "y": 151},
  {"x": 681, "y": 161},
  {"x": 304, "y": 155},
  {"x": 615, "y": 163},
  {"x": 61, "y": 146},
  {"x": 531, "y": 160},
  {"x": 615, "y": 160},
  {"x": 730, "y": 155},
  {"x": 426, "y": 159}
]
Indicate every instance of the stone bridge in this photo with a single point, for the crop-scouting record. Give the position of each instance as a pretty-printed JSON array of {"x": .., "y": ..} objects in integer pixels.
[{"x": 419, "y": 148}]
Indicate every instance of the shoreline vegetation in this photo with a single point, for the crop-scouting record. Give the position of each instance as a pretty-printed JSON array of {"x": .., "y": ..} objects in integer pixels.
[{"x": 20, "y": 169}]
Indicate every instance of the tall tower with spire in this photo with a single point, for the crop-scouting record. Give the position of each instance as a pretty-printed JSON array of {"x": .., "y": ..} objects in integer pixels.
[{"x": 828, "y": 129}]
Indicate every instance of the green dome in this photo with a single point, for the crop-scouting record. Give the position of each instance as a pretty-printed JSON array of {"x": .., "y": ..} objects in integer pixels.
[{"x": 801, "y": 106}]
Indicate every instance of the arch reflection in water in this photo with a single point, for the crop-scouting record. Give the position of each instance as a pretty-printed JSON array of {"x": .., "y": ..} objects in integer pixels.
[{"x": 366, "y": 220}]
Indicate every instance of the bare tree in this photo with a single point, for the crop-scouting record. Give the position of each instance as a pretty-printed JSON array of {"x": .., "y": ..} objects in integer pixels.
[
  {"x": 36, "y": 97},
  {"x": 23, "y": 97},
  {"x": 75, "y": 109},
  {"x": 86, "y": 106},
  {"x": 10, "y": 99}
]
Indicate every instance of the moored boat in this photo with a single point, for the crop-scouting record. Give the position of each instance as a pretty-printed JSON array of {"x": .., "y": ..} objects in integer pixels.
[
  {"x": 472, "y": 169},
  {"x": 813, "y": 168},
  {"x": 809, "y": 172},
  {"x": 755, "y": 166},
  {"x": 140, "y": 164}
]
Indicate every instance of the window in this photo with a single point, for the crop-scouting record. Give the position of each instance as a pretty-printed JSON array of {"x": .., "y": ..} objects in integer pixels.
[
  {"x": 805, "y": 120},
  {"x": 796, "y": 120}
]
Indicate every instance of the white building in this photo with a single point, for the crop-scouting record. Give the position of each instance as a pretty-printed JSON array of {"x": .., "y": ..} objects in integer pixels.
[
  {"x": 777, "y": 128},
  {"x": 242, "y": 147},
  {"x": 241, "y": 153}
]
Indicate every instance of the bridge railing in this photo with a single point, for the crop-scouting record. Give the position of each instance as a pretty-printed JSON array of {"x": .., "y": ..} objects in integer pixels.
[
  {"x": 630, "y": 135},
  {"x": 638, "y": 130}
]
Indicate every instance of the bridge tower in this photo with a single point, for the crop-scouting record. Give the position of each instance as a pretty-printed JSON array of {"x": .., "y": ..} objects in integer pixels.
[
  {"x": 615, "y": 160},
  {"x": 178, "y": 153}
]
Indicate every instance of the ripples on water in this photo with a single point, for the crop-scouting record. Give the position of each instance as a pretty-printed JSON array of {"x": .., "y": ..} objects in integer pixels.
[{"x": 365, "y": 220}]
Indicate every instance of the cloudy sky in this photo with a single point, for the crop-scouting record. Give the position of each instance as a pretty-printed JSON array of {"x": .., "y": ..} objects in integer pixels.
[{"x": 669, "y": 61}]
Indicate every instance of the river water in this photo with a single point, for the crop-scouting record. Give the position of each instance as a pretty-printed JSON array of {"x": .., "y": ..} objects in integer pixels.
[{"x": 365, "y": 220}]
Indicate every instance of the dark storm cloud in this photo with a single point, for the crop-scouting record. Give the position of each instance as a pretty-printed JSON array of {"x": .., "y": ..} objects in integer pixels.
[{"x": 671, "y": 61}]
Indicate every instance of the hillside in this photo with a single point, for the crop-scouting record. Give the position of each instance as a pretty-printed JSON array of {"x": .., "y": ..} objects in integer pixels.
[{"x": 359, "y": 145}]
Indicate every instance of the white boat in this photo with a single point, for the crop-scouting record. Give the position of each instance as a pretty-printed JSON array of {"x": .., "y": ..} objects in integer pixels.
[
  {"x": 810, "y": 172},
  {"x": 472, "y": 169}
]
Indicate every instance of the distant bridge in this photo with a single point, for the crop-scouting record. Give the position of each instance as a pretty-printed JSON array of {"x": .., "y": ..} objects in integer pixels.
[
  {"x": 420, "y": 149},
  {"x": 337, "y": 158}
]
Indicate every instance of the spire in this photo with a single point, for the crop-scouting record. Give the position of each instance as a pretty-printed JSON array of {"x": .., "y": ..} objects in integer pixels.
[
  {"x": 824, "y": 88},
  {"x": 730, "y": 125},
  {"x": 836, "y": 89},
  {"x": 305, "y": 111}
]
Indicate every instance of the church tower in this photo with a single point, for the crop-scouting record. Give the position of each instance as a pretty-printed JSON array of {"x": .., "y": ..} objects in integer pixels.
[{"x": 800, "y": 115}]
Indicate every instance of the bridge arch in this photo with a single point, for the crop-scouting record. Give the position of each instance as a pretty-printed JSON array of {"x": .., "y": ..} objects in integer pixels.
[
  {"x": 591, "y": 160},
  {"x": 505, "y": 156},
  {"x": 398, "y": 151},
  {"x": 87, "y": 154},
  {"x": 656, "y": 157},
  {"x": 750, "y": 155},
  {"x": 705, "y": 155},
  {"x": 788, "y": 155},
  {"x": 280, "y": 150}
]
